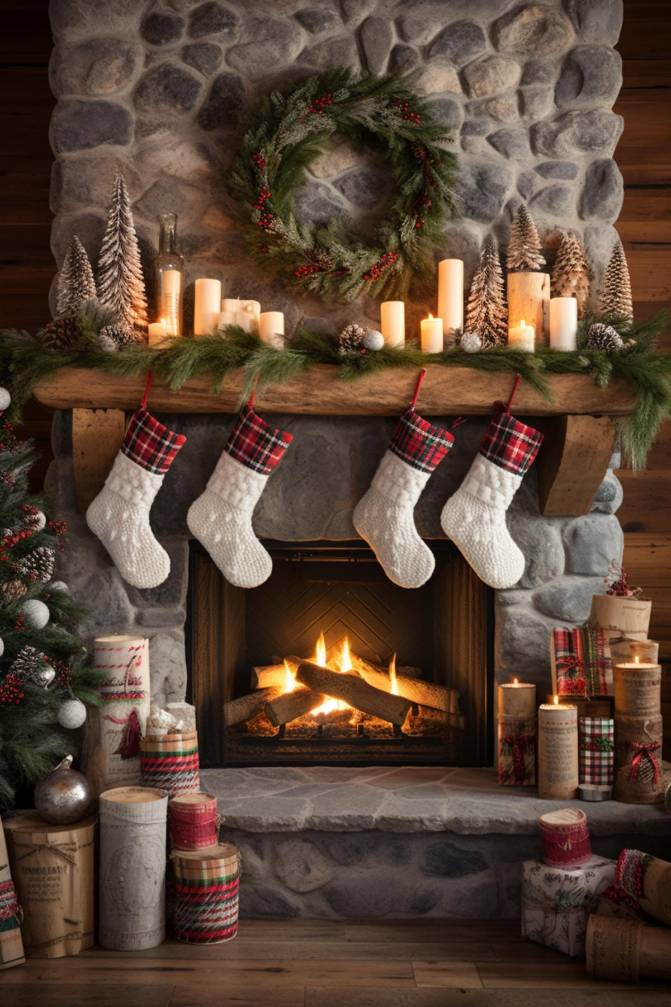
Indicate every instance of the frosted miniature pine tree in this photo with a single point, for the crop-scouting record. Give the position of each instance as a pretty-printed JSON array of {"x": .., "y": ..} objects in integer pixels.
[
  {"x": 75, "y": 280},
  {"x": 486, "y": 312},
  {"x": 570, "y": 273},
  {"x": 524, "y": 246},
  {"x": 615, "y": 296},
  {"x": 120, "y": 280}
]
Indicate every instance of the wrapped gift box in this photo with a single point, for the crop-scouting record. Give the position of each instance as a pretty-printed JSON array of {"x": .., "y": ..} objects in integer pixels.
[
  {"x": 597, "y": 750},
  {"x": 557, "y": 901},
  {"x": 581, "y": 662}
]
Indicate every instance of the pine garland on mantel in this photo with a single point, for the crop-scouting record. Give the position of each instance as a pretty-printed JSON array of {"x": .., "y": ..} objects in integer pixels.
[{"x": 647, "y": 371}]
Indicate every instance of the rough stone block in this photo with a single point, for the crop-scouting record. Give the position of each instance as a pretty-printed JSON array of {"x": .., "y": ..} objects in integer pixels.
[
  {"x": 100, "y": 66},
  {"x": 167, "y": 666},
  {"x": 567, "y": 170},
  {"x": 262, "y": 901},
  {"x": 317, "y": 19},
  {"x": 592, "y": 543},
  {"x": 541, "y": 542},
  {"x": 597, "y": 130},
  {"x": 301, "y": 866},
  {"x": 203, "y": 56},
  {"x": 537, "y": 101},
  {"x": 512, "y": 143},
  {"x": 523, "y": 645},
  {"x": 596, "y": 20},
  {"x": 526, "y": 184},
  {"x": 554, "y": 199},
  {"x": 268, "y": 43},
  {"x": 438, "y": 76},
  {"x": 539, "y": 71},
  {"x": 223, "y": 105},
  {"x": 81, "y": 125},
  {"x": 161, "y": 28},
  {"x": 356, "y": 898},
  {"x": 87, "y": 180},
  {"x": 447, "y": 112},
  {"x": 446, "y": 859},
  {"x": 569, "y": 599},
  {"x": 459, "y": 42},
  {"x": 167, "y": 88},
  {"x": 213, "y": 18},
  {"x": 341, "y": 51},
  {"x": 403, "y": 58},
  {"x": 590, "y": 74},
  {"x": 533, "y": 28},
  {"x": 418, "y": 28},
  {"x": 609, "y": 496},
  {"x": 317, "y": 203},
  {"x": 603, "y": 191},
  {"x": 376, "y": 37},
  {"x": 482, "y": 188},
  {"x": 491, "y": 75},
  {"x": 365, "y": 187},
  {"x": 77, "y": 17}
]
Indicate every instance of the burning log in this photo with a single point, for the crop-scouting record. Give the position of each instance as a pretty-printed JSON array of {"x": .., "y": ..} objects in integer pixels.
[
  {"x": 272, "y": 675},
  {"x": 291, "y": 705},
  {"x": 354, "y": 691},
  {"x": 437, "y": 697},
  {"x": 237, "y": 711}
]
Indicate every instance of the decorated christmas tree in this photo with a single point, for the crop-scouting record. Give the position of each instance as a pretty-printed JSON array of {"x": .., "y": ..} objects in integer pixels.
[
  {"x": 615, "y": 295},
  {"x": 486, "y": 312},
  {"x": 524, "y": 246},
  {"x": 570, "y": 273},
  {"x": 120, "y": 280},
  {"x": 75, "y": 280},
  {"x": 45, "y": 681}
]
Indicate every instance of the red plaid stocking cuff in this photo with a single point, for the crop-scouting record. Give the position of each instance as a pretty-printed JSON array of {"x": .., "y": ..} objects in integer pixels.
[
  {"x": 419, "y": 443},
  {"x": 150, "y": 444},
  {"x": 255, "y": 444},
  {"x": 511, "y": 444}
]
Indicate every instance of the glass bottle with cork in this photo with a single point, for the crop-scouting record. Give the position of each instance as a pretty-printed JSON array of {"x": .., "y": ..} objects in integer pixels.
[{"x": 169, "y": 274}]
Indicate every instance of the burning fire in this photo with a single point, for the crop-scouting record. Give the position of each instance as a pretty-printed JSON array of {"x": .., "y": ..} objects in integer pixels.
[
  {"x": 393, "y": 680},
  {"x": 289, "y": 678},
  {"x": 342, "y": 663}
]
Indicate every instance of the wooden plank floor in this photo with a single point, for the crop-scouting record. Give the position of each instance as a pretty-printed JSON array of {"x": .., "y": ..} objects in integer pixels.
[{"x": 318, "y": 963}]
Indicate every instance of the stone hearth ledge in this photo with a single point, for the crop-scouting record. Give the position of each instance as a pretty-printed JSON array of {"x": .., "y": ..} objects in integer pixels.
[{"x": 403, "y": 800}]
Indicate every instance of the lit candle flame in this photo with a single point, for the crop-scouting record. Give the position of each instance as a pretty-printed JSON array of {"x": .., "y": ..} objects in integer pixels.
[
  {"x": 289, "y": 679},
  {"x": 516, "y": 681},
  {"x": 637, "y": 659},
  {"x": 555, "y": 699},
  {"x": 393, "y": 678}
]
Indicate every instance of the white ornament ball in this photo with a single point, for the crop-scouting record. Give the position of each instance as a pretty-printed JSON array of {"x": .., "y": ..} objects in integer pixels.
[
  {"x": 38, "y": 521},
  {"x": 59, "y": 585},
  {"x": 373, "y": 340},
  {"x": 5, "y": 399},
  {"x": 71, "y": 714},
  {"x": 470, "y": 342},
  {"x": 36, "y": 613},
  {"x": 2, "y": 646}
]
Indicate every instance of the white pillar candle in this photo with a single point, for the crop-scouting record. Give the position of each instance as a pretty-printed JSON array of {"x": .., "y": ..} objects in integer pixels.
[
  {"x": 169, "y": 306},
  {"x": 431, "y": 334},
  {"x": 451, "y": 297},
  {"x": 557, "y": 751},
  {"x": 158, "y": 331},
  {"x": 564, "y": 323},
  {"x": 517, "y": 699},
  {"x": 207, "y": 306},
  {"x": 522, "y": 337},
  {"x": 247, "y": 317},
  {"x": 271, "y": 328},
  {"x": 392, "y": 322}
]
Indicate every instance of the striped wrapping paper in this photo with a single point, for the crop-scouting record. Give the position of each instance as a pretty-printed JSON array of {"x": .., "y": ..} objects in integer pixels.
[
  {"x": 597, "y": 750},
  {"x": 207, "y": 889},
  {"x": 170, "y": 762}
]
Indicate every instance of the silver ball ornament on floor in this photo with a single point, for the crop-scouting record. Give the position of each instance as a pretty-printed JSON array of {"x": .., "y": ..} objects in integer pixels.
[
  {"x": 5, "y": 399},
  {"x": 36, "y": 613},
  {"x": 373, "y": 340},
  {"x": 71, "y": 714},
  {"x": 64, "y": 796}
]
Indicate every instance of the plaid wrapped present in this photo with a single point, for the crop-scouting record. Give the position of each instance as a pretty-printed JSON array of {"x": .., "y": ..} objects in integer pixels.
[
  {"x": 597, "y": 750},
  {"x": 556, "y": 902},
  {"x": 581, "y": 662}
]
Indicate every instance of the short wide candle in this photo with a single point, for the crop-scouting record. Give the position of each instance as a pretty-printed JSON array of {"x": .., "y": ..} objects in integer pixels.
[
  {"x": 207, "y": 306},
  {"x": 392, "y": 322},
  {"x": 431, "y": 334},
  {"x": 522, "y": 337},
  {"x": 564, "y": 324},
  {"x": 517, "y": 699},
  {"x": 271, "y": 328}
]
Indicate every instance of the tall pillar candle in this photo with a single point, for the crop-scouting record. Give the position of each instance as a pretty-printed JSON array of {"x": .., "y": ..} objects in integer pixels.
[
  {"x": 230, "y": 306},
  {"x": 431, "y": 335},
  {"x": 563, "y": 323},
  {"x": 271, "y": 328},
  {"x": 392, "y": 323},
  {"x": 132, "y": 868},
  {"x": 516, "y": 734},
  {"x": 207, "y": 306},
  {"x": 557, "y": 751},
  {"x": 529, "y": 298},
  {"x": 53, "y": 870},
  {"x": 451, "y": 297},
  {"x": 112, "y": 745}
]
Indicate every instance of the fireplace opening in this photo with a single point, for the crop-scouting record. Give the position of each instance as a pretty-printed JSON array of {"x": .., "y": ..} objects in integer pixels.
[{"x": 328, "y": 662}]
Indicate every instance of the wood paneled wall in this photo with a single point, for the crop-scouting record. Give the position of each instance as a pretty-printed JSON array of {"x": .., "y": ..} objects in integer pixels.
[{"x": 644, "y": 155}]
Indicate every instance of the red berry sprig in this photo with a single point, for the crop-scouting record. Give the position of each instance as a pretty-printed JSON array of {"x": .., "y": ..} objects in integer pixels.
[
  {"x": 11, "y": 690},
  {"x": 406, "y": 112},
  {"x": 63, "y": 678},
  {"x": 301, "y": 272},
  {"x": 258, "y": 159},
  {"x": 382, "y": 264},
  {"x": 318, "y": 105}
]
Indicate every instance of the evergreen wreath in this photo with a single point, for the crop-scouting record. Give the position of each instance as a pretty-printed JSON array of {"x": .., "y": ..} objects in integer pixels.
[{"x": 291, "y": 130}]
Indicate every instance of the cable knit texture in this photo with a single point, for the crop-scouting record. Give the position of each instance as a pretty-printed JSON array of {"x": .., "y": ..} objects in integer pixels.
[
  {"x": 384, "y": 518},
  {"x": 119, "y": 516},
  {"x": 221, "y": 520},
  {"x": 475, "y": 519}
]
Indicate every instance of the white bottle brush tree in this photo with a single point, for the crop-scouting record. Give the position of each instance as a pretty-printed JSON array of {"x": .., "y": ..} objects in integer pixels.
[
  {"x": 76, "y": 284},
  {"x": 120, "y": 280},
  {"x": 486, "y": 312},
  {"x": 524, "y": 246}
]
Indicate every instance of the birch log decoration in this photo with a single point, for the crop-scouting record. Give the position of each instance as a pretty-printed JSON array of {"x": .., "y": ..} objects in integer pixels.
[
  {"x": 53, "y": 870},
  {"x": 437, "y": 697},
  {"x": 132, "y": 868},
  {"x": 557, "y": 751},
  {"x": 291, "y": 705},
  {"x": 114, "y": 730},
  {"x": 618, "y": 616},
  {"x": 529, "y": 299},
  {"x": 353, "y": 690},
  {"x": 11, "y": 943},
  {"x": 627, "y": 950},
  {"x": 638, "y": 689},
  {"x": 237, "y": 711},
  {"x": 639, "y": 778}
]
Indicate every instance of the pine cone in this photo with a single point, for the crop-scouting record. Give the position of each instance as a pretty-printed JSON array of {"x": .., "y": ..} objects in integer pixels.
[
  {"x": 32, "y": 665},
  {"x": 38, "y": 565},
  {"x": 61, "y": 334},
  {"x": 351, "y": 339},
  {"x": 114, "y": 337},
  {"x": 470, "y": 342},
  {"x": 603, "y": 338},
  {"x": 13, "y": 590}
]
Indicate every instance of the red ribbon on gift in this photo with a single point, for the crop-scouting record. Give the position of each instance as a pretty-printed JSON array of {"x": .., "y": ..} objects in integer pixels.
[
  {"x": 644, "y": 751},
  {"x": 519, "y": 745}
]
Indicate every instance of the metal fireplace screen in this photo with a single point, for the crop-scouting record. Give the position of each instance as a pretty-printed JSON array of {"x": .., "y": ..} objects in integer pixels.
[{"x": 333, "y": 605}]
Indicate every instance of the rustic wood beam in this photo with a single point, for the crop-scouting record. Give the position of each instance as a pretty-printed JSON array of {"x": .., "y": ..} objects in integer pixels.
[
  {"x": 97, "y": 435},
  {"x": 573, "y": 462},
  {"x": 321, "y": 391}
]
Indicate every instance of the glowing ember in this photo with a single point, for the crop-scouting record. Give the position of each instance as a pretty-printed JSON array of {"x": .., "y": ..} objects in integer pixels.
[
  {"x": 289, "y": 679},
  {"x": 393, "y": 680}
]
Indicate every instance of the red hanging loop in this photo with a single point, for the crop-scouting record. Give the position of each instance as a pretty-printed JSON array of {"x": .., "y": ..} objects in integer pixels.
[
  {"x": 147, "y": 388},
  {"x": 457, "y": 423},
  {"x": 516, "y": 385},
  {"x": 418, "y": 385}
]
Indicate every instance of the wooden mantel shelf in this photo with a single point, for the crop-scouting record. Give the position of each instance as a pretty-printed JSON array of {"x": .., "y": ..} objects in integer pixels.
[
  {"x": 321, "y": 391},
  {"x": 577, "y": 422}
]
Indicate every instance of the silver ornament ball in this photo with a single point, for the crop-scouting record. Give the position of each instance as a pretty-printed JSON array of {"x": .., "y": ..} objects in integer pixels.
[
  {"x": 470, "y": 342},
  {"x": 44, "y": 675},
  {"x": 59, "y": 585},
  {"x": 36, "y": 613},
  {"x": 39, "y": 521},
  {"x": 71, "y": 714},
  {"x": 5, "y": 399},
  {"x": 2, "y": 646},
  {"x": 373, "y": 340},
  {"x": 64, "y": 796}
]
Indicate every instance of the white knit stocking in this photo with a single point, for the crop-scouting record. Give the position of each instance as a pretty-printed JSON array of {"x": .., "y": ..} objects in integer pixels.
[
  {"x": 119, "y": 516},
  {"x": 384, "y": 518},
  {"x": 221, "y": 520}
]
